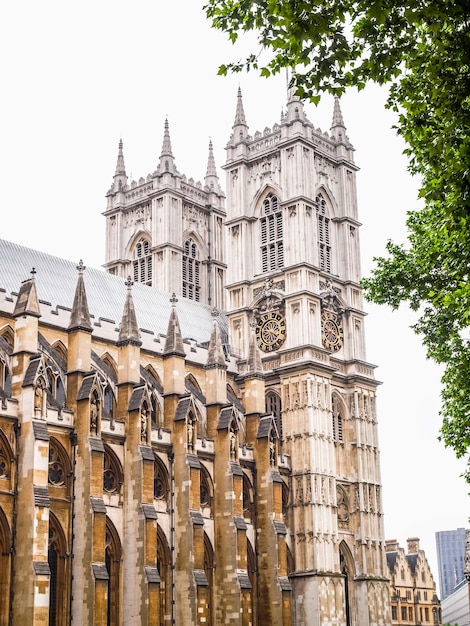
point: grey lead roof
(56, 280)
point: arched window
(142, 263)
(272, 246)
(161, 485)
(112, 472)
(5, 378)
(113, 566)
(58, 565)
(164, 571)
(57, 464)
(191, 271)
(5, 569)
(5, 460)
(324, 242)
(337, 419)
(205, 492)
(248, 499)
(209, 566)
(273, 405)
(56, 387)
(252, 575)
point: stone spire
(167, 161)
(120, 176)
(338, 129)
(174, 340)
(27, 302)
(240, 127)
(211, 179)
(80, 315)
(215, 352)
(129, 329)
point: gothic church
(190, 437)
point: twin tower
(278, 252)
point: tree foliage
(421, 50)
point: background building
(413, 598)
(164, 461)
(450, 546)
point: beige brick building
(197, 444)
(413, 597)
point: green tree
(420, 49)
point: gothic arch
(348, 570)
(248, 502)
(60, 348)
(109, 361)
(5, 374)
(339, 415)
(113, 476)
(135, 239)
(161, 482)
(206, 491)
(194, 253)
(253, 576)
(60, 468)
(5, 568)
(209, 570)
(59, 566)
(200, 243)
(7, 469)
(139, 251)
(273, 405)
(164, 567)
(331, 204)
(113, 556)
(261, 195)
(8, 334)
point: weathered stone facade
(174, 464)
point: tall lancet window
(142, 263)
(191, 273)
(272, 246)
(324, 240)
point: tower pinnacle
(240, 127)
(120, 176)
(129, 329)
(211, 179)
(338, 128)
(167, 161)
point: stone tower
(166, 230)
(293, 244)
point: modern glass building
(450, 546)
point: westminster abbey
(190, 436)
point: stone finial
(120, 176)
(129, 329)
(211, 179)
(174, 339)
(80, 315)
(215, 351)
(167, 161)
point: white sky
(78, 76)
